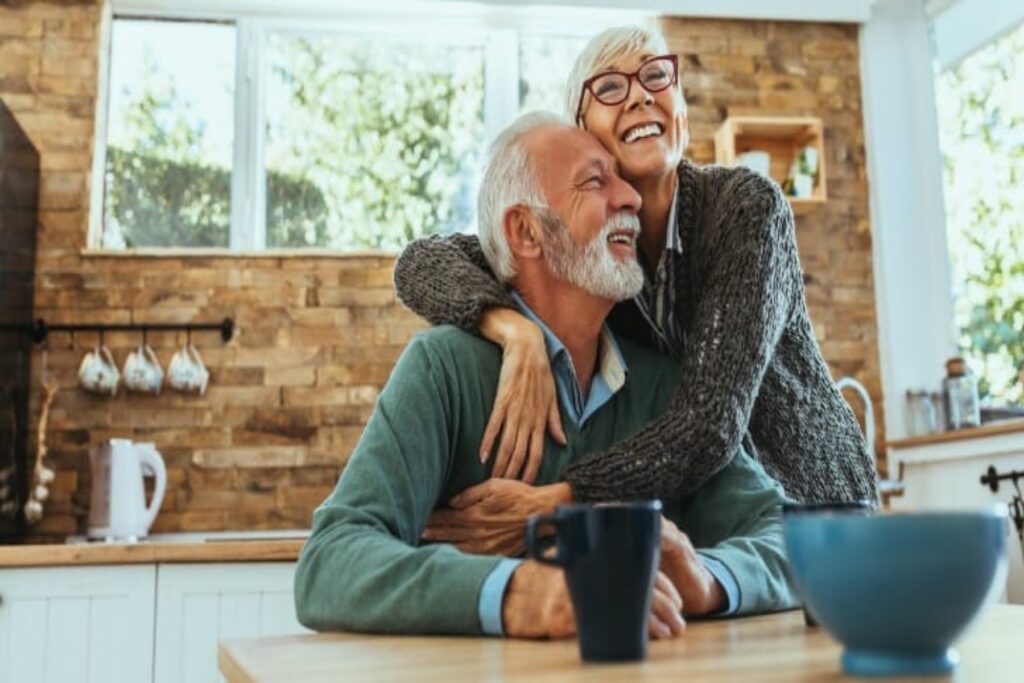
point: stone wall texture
(318, 336)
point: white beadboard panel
(26, 638)
(199, 605)
(77, 624)
(196, 659)
(277, 615)
(68, 631)
(107, 654)
(240, 615)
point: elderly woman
(723, 294)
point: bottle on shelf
(960, 394)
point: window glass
(981, 127)
(170, 134)
(370, 143)
(544, 65)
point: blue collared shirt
(609, 379)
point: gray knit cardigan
(752, 371)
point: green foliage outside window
(981, 125)
(387, 132)
(368, 145)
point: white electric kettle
(118, 511)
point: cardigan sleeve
(746, 299)
(447, 280)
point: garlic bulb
(33, 511)
(45, 475)
(40, 493)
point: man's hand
(537, 605)
(666, 610)
(700, 591)
(490, 518)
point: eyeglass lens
(654, 76)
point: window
(370, 143)
(170, 134)
(981, 128)
(253, 133)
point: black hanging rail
(40, 329)
(991, 478)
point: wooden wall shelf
(782, 137)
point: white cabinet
(77, 624)
(947, 475)
(136, 623)
(201, 604)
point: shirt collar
(672, 241)
(611, 366)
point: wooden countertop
(261, 550)
(774, 647)
(991, 429)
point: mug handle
(533, 548)
(151, 355)
(107, 356)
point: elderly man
(559, 226)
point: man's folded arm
(361, 568)
(741, 528)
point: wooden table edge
(229, 667)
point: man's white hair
(604, 50)
(509, 179)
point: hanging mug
(142, 371)
(186, 373)
(98, 373)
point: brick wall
(317, 337)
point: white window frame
(495, 29)
(899, 46)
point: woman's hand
(526, 404)
(490, 518)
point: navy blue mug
(610, 553)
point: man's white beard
(592, 267)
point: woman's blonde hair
(605, 49)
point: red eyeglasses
(612, 87)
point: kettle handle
(151, 460)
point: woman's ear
(522, 232)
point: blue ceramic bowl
(897, 589)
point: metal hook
(188, 331)
(71, 340)
(102, 333)
(145, 336)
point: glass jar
(960, 390)
(922, 418)
(939, 403)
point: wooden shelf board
(781, 137)
(991, 429)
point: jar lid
(956, 367)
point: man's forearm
(557, 494)
(353, 575)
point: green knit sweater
(363, 568)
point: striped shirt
(657, 299)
